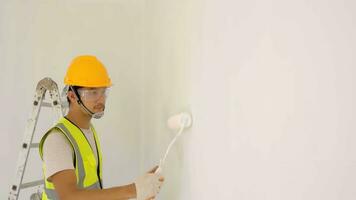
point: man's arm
(65, 183)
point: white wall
(269, 83)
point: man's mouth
(99, 107)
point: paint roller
(178, 122)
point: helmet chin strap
(97, 115)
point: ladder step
(46, 104)
(34, 145)
(32, 184)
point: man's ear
(71, 96)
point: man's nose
(101, 99)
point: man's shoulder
(55, 137)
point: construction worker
(72, 160)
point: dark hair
(70, 89)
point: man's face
(94, 98)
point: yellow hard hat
(87, 71)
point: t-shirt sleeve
(57, 153)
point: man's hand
(148, 185)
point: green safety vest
(86, 168)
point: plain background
(270, 83)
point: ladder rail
(43, 86)
(28, 137)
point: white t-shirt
(58, 153)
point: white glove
(148, 185)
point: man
(70, 151)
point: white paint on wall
(272, 92)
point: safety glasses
(93, 94)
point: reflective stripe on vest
(86, 168)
